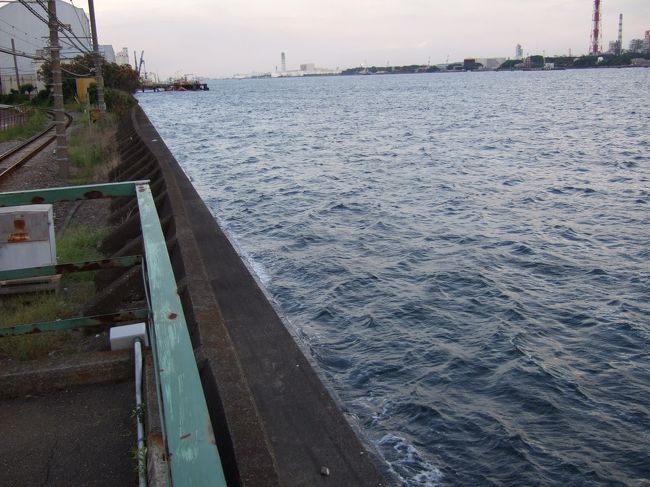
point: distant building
(30, 37)
(306, 69)
(636, 45)
(519, 52)
(122, 57)
(491, 63)
(108, 52)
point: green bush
(118, 101)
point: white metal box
(122, 337)
(27, 237)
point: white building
(122, 57)
(491, 63)
(519, 52)
(30, 35)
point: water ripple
(465, 257)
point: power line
(77, 75)
(22, 40)
(60, 25)
(8, 50)
(26, 34)
(81, 24)
(16, 28)
(12, 70)
(63, 27)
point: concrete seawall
(275, 422)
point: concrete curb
(54, 374)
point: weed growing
(34, 124)
(90, 147)
(78, 244)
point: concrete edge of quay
(274, 420)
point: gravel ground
(42, 172)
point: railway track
(23, 152)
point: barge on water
(175, 86)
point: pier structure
(181, 85)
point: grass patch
(75, 106)
(91, 147)
(31, 347)
(33, 125)
(78, 244)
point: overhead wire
(8, 50)
(77, 75)
(68, 42)
(22, 40)
(16, 28)
(61, 27)
(81, 23)
(64, 27)
(40, 40)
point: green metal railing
(192, 455)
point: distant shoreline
(439, 71)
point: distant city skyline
(213, 38)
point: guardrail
(192, 455)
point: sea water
(464, 256)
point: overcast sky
(212, 38)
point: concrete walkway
(80, 437)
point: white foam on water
(405, 461)
(256, 267)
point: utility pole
(59, 118)
(13, 48)
(98, 59)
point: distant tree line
(589, 61)
(413, 68)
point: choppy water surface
(465, 257)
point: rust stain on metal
(30, 332)
(186, 436)
(87, 266)
(93, 195)
(20, 235)
(211, 437)
(155, 439)
(172, 316)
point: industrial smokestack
(283, 62)
(596, 33)
(619, 42)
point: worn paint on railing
(69, 267)
(193, 458)
(72, 323)
(192, 450)
(70, 193)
